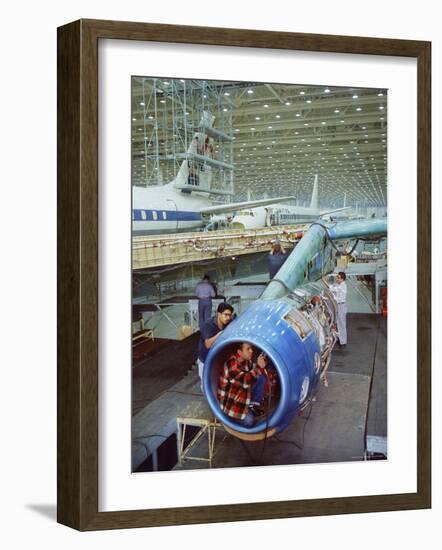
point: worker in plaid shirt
(241, 385)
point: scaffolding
(167, 114)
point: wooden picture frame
(78, 274)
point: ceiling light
(301, 93)
(250, 91)
(142, 103)
(336, 111)
(278, 116)
(226, 94)
(327, 91)
(257, 118)
(269, 127)
(358, 108)
(355, 96)
(287, 103)
(308, 101)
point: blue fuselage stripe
(164, 215)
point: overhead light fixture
(355, 96)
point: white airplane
(283, 214)
(184, 203)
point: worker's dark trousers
(204, 310)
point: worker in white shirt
(339, 291)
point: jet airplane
(184, 204)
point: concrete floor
(330, 431)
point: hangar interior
(267, 140)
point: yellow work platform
(181, 248)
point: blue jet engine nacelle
(296, 333)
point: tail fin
(314, 201)
(195, 174)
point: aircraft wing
(234, 206)
(325, 212)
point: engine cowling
(296, 333)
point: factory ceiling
(282, 135)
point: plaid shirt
(235, 386)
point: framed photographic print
(232, 207)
